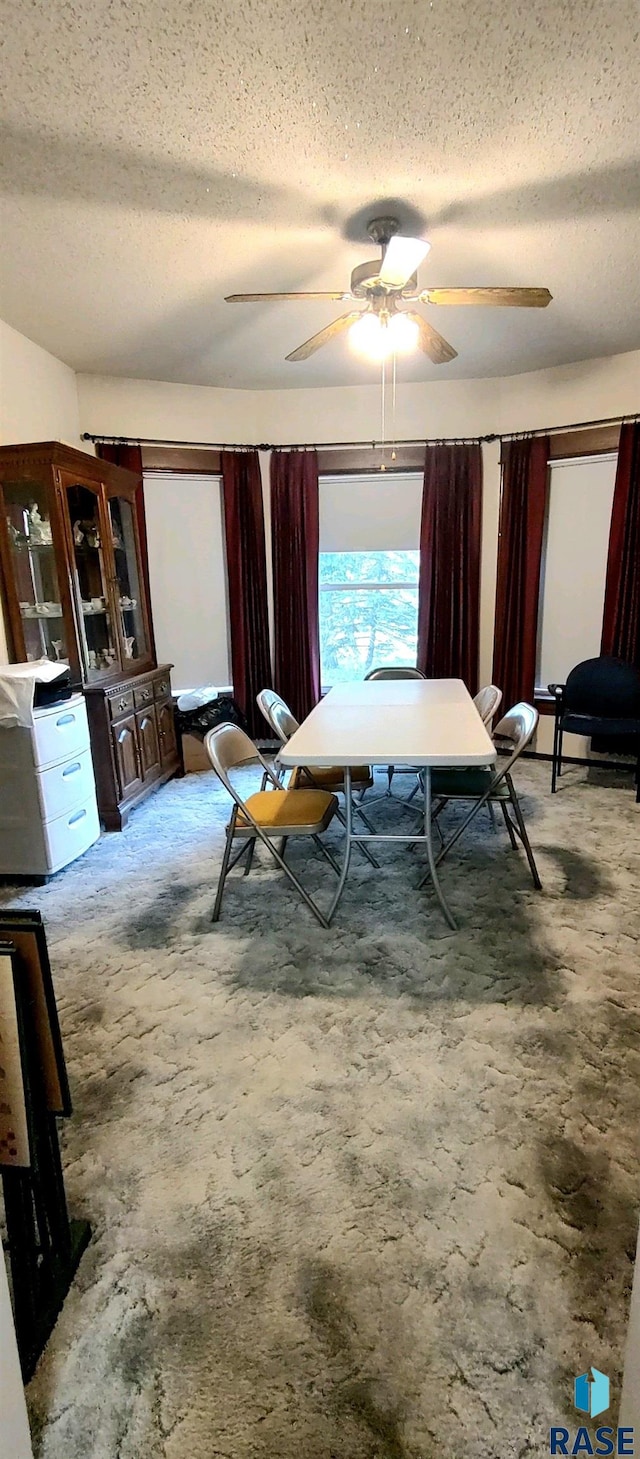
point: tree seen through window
(368, 612)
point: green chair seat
(467, 784)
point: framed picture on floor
(24, 930)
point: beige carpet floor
(365, 1194)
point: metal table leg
(432, 862)
(348, 823)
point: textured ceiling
(158, 156)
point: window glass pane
(368, 614)
(369, 567)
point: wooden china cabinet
(74, 590)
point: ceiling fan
(383, 328)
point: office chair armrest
(557, 690)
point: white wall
(591, 390)
(41, 404)
(38, 394)
(38, 402)
(15, 1441)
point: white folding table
(422, 722)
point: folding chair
(267, 814)
(397, 671)
(321, 777)
(493, 785)
(487, 702)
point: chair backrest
(394, 672)
(517, 727)
(228, 747)
(604, 688)
(487, 702)
(277, 714)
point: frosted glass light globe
(377, 338)
(366, 337)
(403, 334)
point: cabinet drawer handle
(123, 704)
(145, 693)
(71, 769)
(66, 719)
(162, 688)
(79, 816)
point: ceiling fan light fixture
(403, 333)
(368, 337)
(377, 337)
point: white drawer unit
(48, 810)
(62, 787)
(61, 732)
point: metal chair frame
(253, 830)
(518, 726)
(284, 724)
(397, 671)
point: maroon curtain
(129, 455)
(295, 536)
(247, 580)
(621, 624)
(450, 535)
(522, 515)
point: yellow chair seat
(330, 776)
(288, 812)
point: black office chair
(601, 698)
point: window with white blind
(369, 564)
(188, 577)
(574, 564)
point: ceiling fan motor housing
(366, 282)
(365, 279)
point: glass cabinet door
(99, 640)
(127, 578)
(35, 570)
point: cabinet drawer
(61, 734)
(64, 786)
(162, 687)
(68, 836)
(143, 696)
(121, 704)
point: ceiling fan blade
(257, 298)
(402, 257)
(324, 335)
(431, 342)
(507, 298)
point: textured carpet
(365, 1194)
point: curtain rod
(582, 425)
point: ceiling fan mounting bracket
(382, 230)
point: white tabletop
(393, 722)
